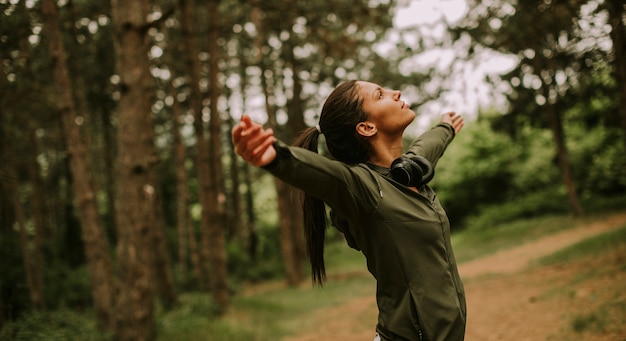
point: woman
(400, 227)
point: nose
(396, 94)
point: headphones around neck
(412, 171)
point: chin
(412, 117)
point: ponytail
(342, 111)
(314, 213)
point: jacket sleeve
(433, 143)
(350, 190)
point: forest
(120, 191)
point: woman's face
(385, 109)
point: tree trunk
(252, 236)
(189, 48)
(194, 254)
(182, 191)
(296, 124)
(163, 277)
(136, 189)
(34, 288)
(217, 197)
(109, 176)
(95, 242)
(38, 213)
(202, 149)
(235, 226)
(287, 204)
(563, 159)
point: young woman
(398, 224)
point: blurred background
(124, 213)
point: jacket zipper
(454, 282)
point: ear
(366, 129)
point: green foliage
(490, 178)
(599, 204)
(13, 290)
(486, 178)
(67, 287)
(535, 168)
(475, 171)
(597, 157)
(267, 263)
(549, 201)
(62, 324)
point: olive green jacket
(404, 235)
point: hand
(253, 143)
(454, 119)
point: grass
(272, 311)
(269, 315)
(602, 275)
(588, 247)
(472, 243)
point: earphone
(412, 171)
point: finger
(236, 132)
(250, 140)
(245, 123)
(267, 140)
(242, 137)
(251, 131)
(258, 139)
(246, 119)
(256, 155)
(458, 126)
(260, 154)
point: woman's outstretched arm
(433, 143)
(254, 143)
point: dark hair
(340, 114)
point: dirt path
(505, 300)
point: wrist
(448, 126)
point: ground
(508, 300)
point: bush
(477, 169)
(61, 324)
(543, 203)
(67, 287)
(267, 263)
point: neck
(385, 151)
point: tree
(96, 245)
(553, 54)
(136, 158)
(289, 223)
(189, 49)
(216, 206)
